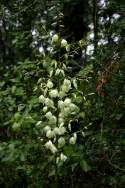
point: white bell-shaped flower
(54, 93)
(55, 38)
(45, 109)
(60, 104)
(61, 120)
(49, 145)
(41, 99)
(67, 83)
(46, 128)
(63, 157)
(67, 102)
(48, 115)
(49, 103)
(56, 131)
(72, 140)
(49, 84)
(53, 119)
(62, 130)
(61, 142)
(64, 43)
(50, 134)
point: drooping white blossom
(47, 128)
(67, 102)
(66, 85)
(53, 119)
(54, 93)
(49, 84)
(56, 131)
(61, 119)
(72, 140)
(61, 142)
(49, 103)
(63, 157)
(65, 112)
(75, 136)
(50, 134)
(49, 145)
(62, 130)
(48, 115)
(60, 104)
(41, 99)
(62, 93)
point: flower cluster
(57, 106)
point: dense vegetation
(62, 93)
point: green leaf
(118, 116)
(84, 165)
(21, 107)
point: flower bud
(55, 38)
(63, 157)
(69, 126)
(75, 83)
(54, 62)
(38, 123)
(57, 160)
(45, 109)
(75, 136)
(67, 48)
(51, 73)
(57, 72)
(63, 43)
